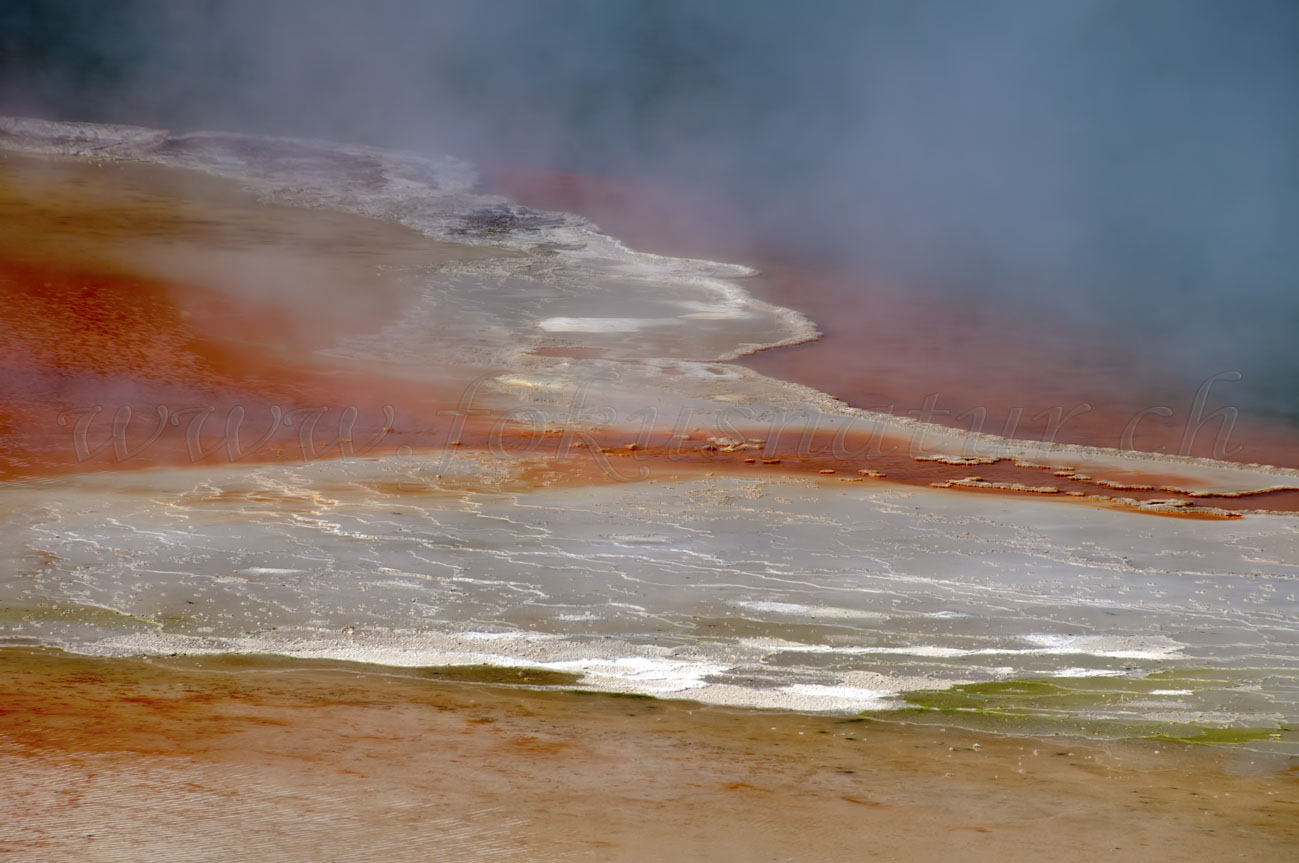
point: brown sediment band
(563, 455)
(588, 456)
(1124, 486)
(980, 482)
(167, 759)
(1234, 495)
(962, 461)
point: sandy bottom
(219, 759)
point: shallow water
(430, 526)
(766, 592)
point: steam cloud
(1122, 164)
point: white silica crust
(771, 593)
(482, 312)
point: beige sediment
(303, 761)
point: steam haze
(1130, 165)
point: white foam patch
(599, 325)
(1109, 648)
(508, 636)
(810, 611)
(841, 697)
(647, 539)
(546, 383)
(617, 667)
(640, 673)
(609, 665)
(775, 607)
